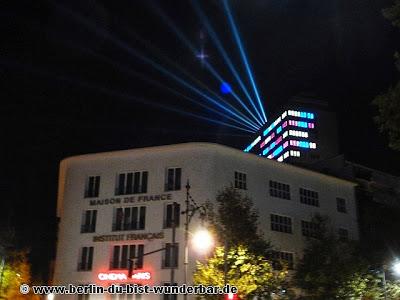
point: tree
(236, 221)
(333, 268)
(14, 268)
(388, 103)
(16, 272)
(252, 274)
(389, 115)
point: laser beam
(114, 93)
(243, 54)
(208, 66)
(224, 54)
(155, 65)
(163, 57)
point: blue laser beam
(114, 93)
(208, 66)
(243, 54)
(156, 83)
(224, 54)
(145, 59)
(161, 56)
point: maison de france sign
(131, 199)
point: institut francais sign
(131, 199)
(128, 237)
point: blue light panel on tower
(278, 140)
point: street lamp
(202, 240)
(396, 268)
(50, 296)
(190, 210)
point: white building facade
(116, 205)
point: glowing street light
(396, 268)
(50, 296)
(202, 241)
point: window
(120, 296)
(309, 229)
(123, 253)
(83, 296)
(172, 213)
(173, 179)
(341, 205)
(240, 181)
(170, 296)
(124, 296)
(92, 186)
(129, 218)
(279, 190)
(89, 221)
(279, 257)
(86, 259)
(170, 257)
(309, 197)
(131, 183)
(343, 234)
(281, 223)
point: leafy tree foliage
(388, 103)
(393, 13)
(14, 268)
(235, 221)
(389, 115)
(16, 271)
(334, 269)
(252, 274)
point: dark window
(281, 223)
(92, 187)
(170, 258)
(131, 183)
(89, 221)
(125, 296)
(279, 258)
(86, 259)
(123, 253)
(173, 179)
(309, 197)
(309, 229)
(172, 213)
(341, 205)
(279, 190)
(170, 296)
(83, 296)
(343, 234)
(240, 181)
(129, 218)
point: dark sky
(68, 85)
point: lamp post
(395, 268)
(191, 208)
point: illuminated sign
(129, 237)
(141, 275)
(123, 276)
(131, 199)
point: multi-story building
(378, 199)
(302, 132)
(116, 205)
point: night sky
(68, 87)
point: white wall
(209, 167)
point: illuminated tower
(303, 132)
